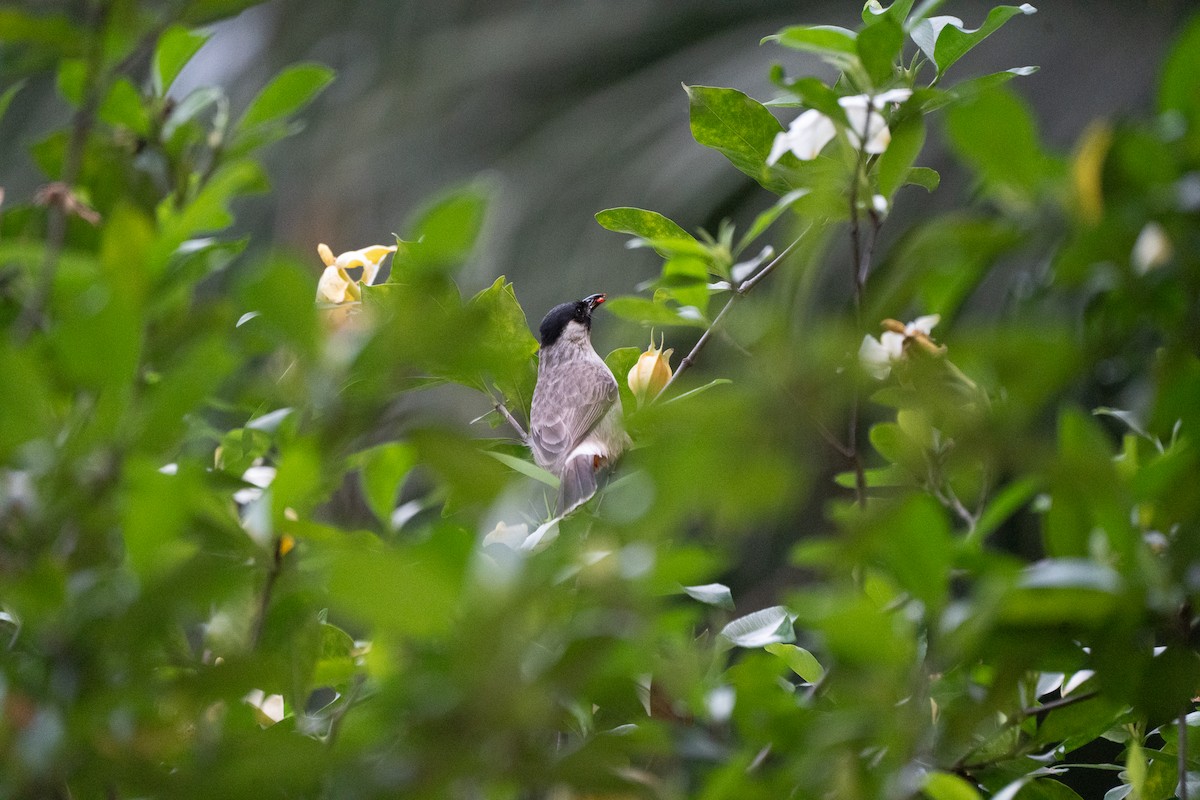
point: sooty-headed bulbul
(575, 422)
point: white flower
(1152, 249)
(805, 137)
(811, 131)
(878, 355)
(868, 130)
(268, 708)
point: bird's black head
(576, 311)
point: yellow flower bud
(651, 373)
(326, 254)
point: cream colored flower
(650, 375)
(336, 286)
(878, 355)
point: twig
(961, 767)
(503, 411)
(741, 290)
(264, 600)
(1054, 705)
(57, 213)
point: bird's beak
(594, 300)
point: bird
(575, 420)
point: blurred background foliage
(255, 546)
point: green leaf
(506, 348)
(693, 392)
(1005, 503)
(914, 543)
(444, 233)
(526, 468)
(713, 594)
(834, 44)
(648, 312)
(6, 97)
(897, 12)
(948, 786)
(648, 225)
(1178, 89)
(70, 80)
(767, 218)
(768, 626)
(382, 469)
(928, 179)
(620, 362)
(49, 33)
(123, 106)
(944, 39)
(335, 660)
(740, 128)
(175, 49)
(290, 90)
(995, 132)
(895, 165)
(799, 661)
(1060, 592)
(878, 47)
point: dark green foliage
(252, 546)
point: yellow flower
(651, 373)
(336, 286)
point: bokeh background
(568, 107)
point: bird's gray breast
(575, 390)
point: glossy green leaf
(288, 92)
(648, 225)
(945, 39)
(506, 347)
(738, 127)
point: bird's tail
(578, 482)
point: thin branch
(264, 600)
(1054, 705)
(57, 213)
(741, 290)
(962, 767)
(503, 411)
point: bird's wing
(567, 405)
